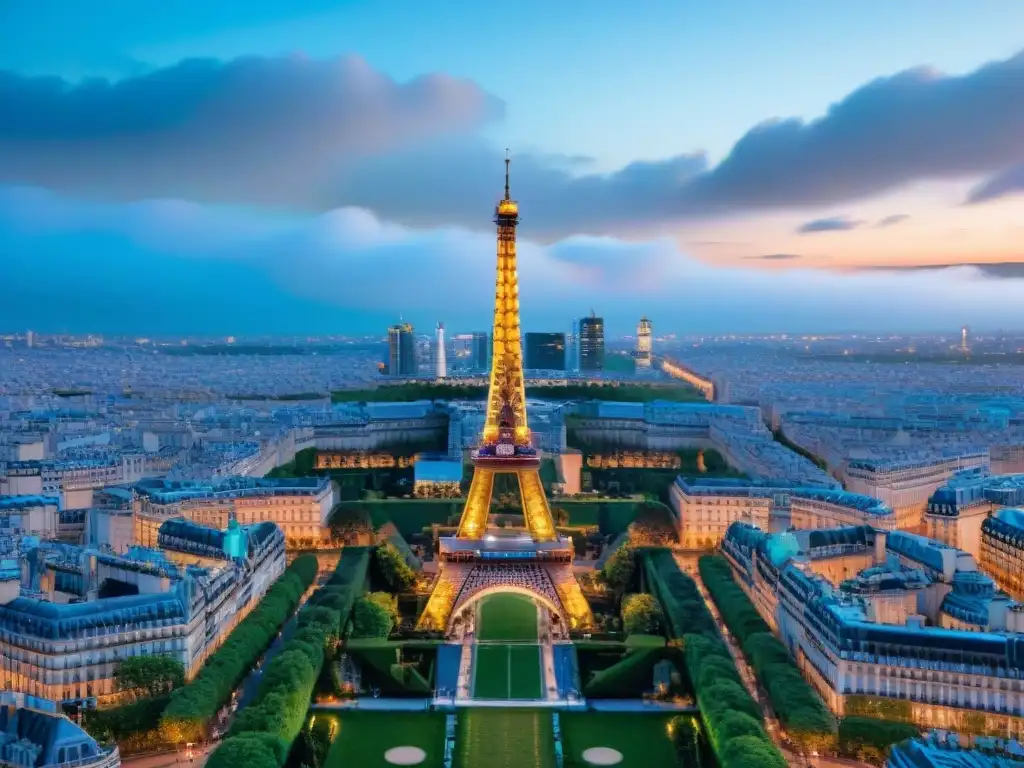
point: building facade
(298, 506)
(921, 629)
(62, 637)
(402, 351)
(480, 352)
(545, 351)
(1002, 549)
(644, 348)
(591, 343)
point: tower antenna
(507, 161)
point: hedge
(681, 602)
(868, 739)
(731, 717)
(267, 727)
(134, 726)
(796, 703)
(630, 677)
(193, 707)
(384, 667)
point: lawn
(504, 738)
(507, 617)
(362, 738)
(642, 739)
(507, 672)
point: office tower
(545, 351)
(401, 350)
(480, 351)
(643, 343)
(572, 347)
(29, 339)
(592, 343)
(440, 359)
(963, 340)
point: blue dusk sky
(304, 166)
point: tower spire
(507, 162)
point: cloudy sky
(315, 166)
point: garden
(381, 739)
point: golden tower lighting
(505, 447)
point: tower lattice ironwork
(505, 447)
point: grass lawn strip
(362, 738)
(525, 675)
(507, 617)
(642, 739)
(491, 672)
(504, 738)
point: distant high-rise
(440, 359)
(964, 346)
(572, 347)
(480, 354)
(643, 343)
(401, 350)
(592, 343)
(545, 351)
(30, 339)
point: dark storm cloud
(1010, 182)
(252, 130)
(831, 224)
(892, 221)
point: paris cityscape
(336, 434)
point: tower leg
(535, 506)
(473, 524)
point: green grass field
(642, 739)
(362, 738)
(507, 617)
(507, 672)
(504, 738)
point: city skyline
(790, 204)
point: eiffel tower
(505, 446)
(473, 563)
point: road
(169, 759)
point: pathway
(547, 654)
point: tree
(560, 516)
(370, 619)
(641, 615)
(393, 568)
(349, 523)
(618, 570)
(149, 675)
(388, 602)
(250, 750)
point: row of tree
(262, 733)
(192, 708)
(796, 703)
(731, 717)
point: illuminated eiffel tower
(505, 447)
(472, 563)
